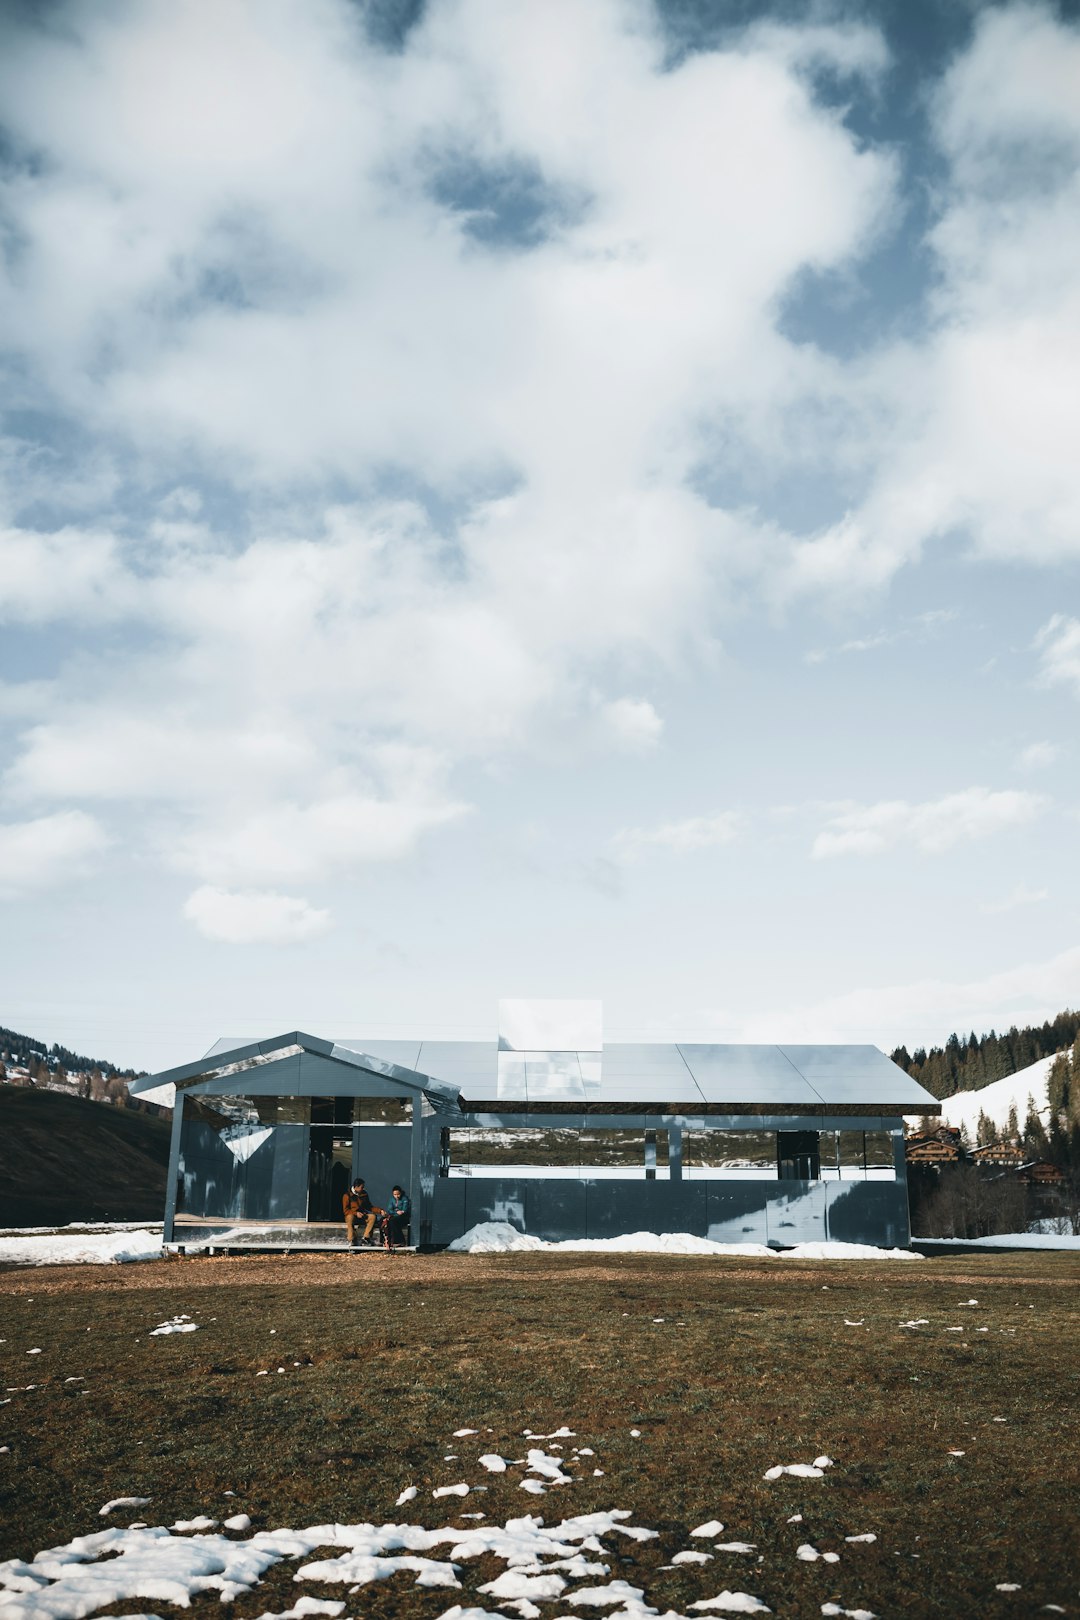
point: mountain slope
(65, 1159)
(996, 1099)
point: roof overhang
(246, 1060)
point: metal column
(174, 1167)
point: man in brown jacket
(356, 1203)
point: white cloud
(249, 271)
(678, 837)
(49, 850)
(292, 841)
(1038, 755)
(1058, 644)
(253, 917)
(933, 826)
(51, 576)
(926, 1011)
(967, 430)
(284, 296)
(633, 722)
(1021, 895)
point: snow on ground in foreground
(1011, 1240)
(169, 1564)
(499, 1237)
(61, 1248)
(998, 1097)
(569, 1562)
(119, 1565)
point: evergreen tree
(1034, 1131)
(1057, 1085)
(968, 1062)
(1057, 1145)
(1012, 1129)
(984, 1133)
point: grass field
(750, 1366)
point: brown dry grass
(752, 1365)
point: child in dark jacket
(398, 1214)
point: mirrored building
(765, 1144)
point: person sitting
(398, 1215)
(356, 1203)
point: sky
(566, 500)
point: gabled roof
(225, 1059)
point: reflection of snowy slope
(996, 1099)
(242, 1139)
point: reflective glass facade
(763, 1143)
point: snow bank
(1010, 1240)
(845, 1251)
(494, 1237)
(499, 1237)
(80, 1249)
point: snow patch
(845, 1251)
(513, 1584)
(303, 1607)
(499, 1237)
(606, 1596)
(733, 1603)
(548, 1468)
(813, 1470)
(1010, 1240)
(97, 1248)
(176, 1324)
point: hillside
(966, 1063)
(67, 1159)
(32, 1054)
(997, 1099)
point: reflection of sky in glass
(550, 1026)
(242, 1140)
(511, 1082)
(552, 1075)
